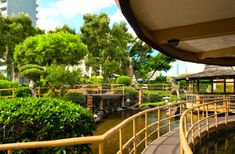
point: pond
(115, 118)
(221, 142)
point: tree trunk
(15, 76)
(32, 86)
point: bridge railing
(198, 119)
(157, 121)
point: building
(11, 7)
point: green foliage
(126, 80)
(2, 77)
(56, 48)
(57, 76)
(151, 96)
(130, 92)
(96, 79)
(38, 119)
(18, 28)
(31, 71)
(160, 79)
(5, 84)
(23, 92)
(107, 46)
(77, 98)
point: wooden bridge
(176, 132)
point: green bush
(123, 80)
(2, 77)
(23, 92)
(96, 79)
(38, 119)
(5, 84)
(151, 96)
(77, 98)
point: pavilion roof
(211, 72)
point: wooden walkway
(169, 143)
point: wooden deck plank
(169, 142)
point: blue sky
(54, 13)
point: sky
(55, 13)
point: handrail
(186, 130)
(144, 132)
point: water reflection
(222, 142)
(115, 118)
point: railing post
(101, 148)
(226, 112)
(207, 118)
(134, 136)
(146, 128)
(159, 118)
(216, 119)
(120, 140)
(192, 127)
(9, 152)
(198, 119)
(169, 118)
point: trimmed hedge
(23, 92)
(126, 80)
(77, 98)
(37, 119)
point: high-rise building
(12, 7)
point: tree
(57, 48)
(57, 77)
(145, 63)
(140, 54)
(107, 47)
(65, 29)
(33, 72)
(19, 27)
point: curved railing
(157, 121)
(197, 120)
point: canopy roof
(197, 31)
(211, 72)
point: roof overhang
(197, 31)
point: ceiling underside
(200, 31)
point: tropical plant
(39, 119)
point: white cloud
(67, 9)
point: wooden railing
(100, 89)
(191, 128)
(157, 121)
(162, 87)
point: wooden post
(90, 103)
(101, 104)
(140, 97)
(123, 101)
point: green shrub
(151, 96)
(23, 92)
(38, 119)
(2, 77)
(77, 98)
(5, 84)
(123, 80)
(96, 79)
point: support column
(123, 101)
(101, 104)
(90, 103)
(140, 97)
